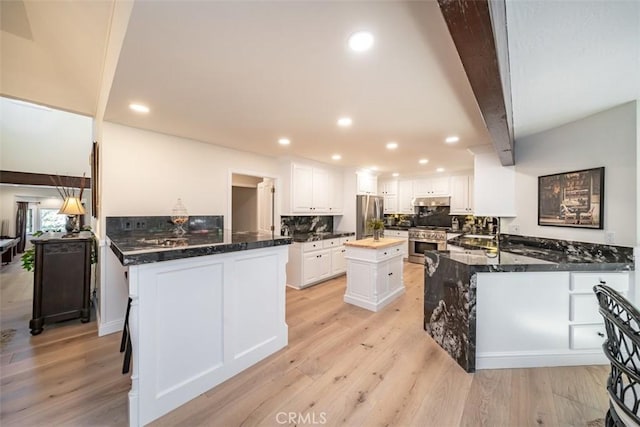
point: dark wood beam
(26, 178)
(470, 25)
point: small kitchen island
(374, 272)
(204, 307)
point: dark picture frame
(572, 199)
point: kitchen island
(529, 302)
(374, 272)
(204, 307)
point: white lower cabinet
(532, 319)
(314, 262)
(374, 276)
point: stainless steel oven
(424, 239)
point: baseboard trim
(110, 327)
(534, 360)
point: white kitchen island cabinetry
(200, 314)
(374, 272)
(400, 234)
(316, 261)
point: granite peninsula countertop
(512, 253)
(324, 235)
(144, 248)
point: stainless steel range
(425, 239)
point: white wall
(42, 140)
(605, 139)
(144, 173)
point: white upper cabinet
(462, 195)
(389, 190)
(405, 196)
(367, 183)
(431, 187)
(388, 187)
(313, 190)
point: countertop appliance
(367, 208)
(426, 239)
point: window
(51, 220)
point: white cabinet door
(431, 187)
(310, 267)
(337, 193)
(367, 183)
(388, 187)
(405, 196)
(324, 264)
(394, 275)
(302, 188)
(320, 190)
(338, 262)
(390, 204)
(461, 194)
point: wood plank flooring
(344, 366)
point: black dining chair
(622, 348)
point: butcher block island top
(369, 243)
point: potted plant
(377, 225)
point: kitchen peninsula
(374, 272)
(204, 306)
(527, 303)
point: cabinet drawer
(584, 308)
(331, 243)
(397, 233)
(312, 246)
(584, 282)
(344, 240)
(389, 252)
(584, 337)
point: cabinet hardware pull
(602, 282)
(390, 274)
(600, 334)
(385, 253)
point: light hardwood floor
(343, 366)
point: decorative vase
(377, 234)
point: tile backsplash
(305, 224)
(158, 224)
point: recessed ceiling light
(361, 41)
(392, 145)
(345, 122)
(139, 108)
(284, 141)
(423, 161)
(440, 170)
(395, 174)
(336, 157)
(452, 139)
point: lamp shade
(72, 206)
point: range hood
(431, 201)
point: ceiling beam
(26, 178)
(470, 25)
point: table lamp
(72, 207)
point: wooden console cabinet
(61, 281)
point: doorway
(252, 203)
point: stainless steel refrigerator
(367, 208)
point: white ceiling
(243, 74)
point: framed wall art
(572, 199)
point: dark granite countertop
(312, 237)
(133, 248)
(519, 253)
(395, 227)
(63, 237)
